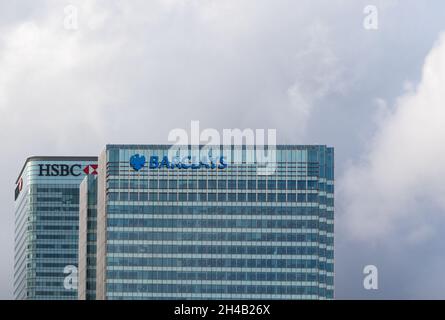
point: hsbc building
(46, 226)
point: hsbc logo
(20, 184)
(90, 169)
(18, 189)
(64, 170)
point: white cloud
(318, 72)
(175, 60)
(51, 82)
(404, 167)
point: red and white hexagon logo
(90, 169)
(20, 184)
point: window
(312, 185)
(153, 184)
(281, 184)
(192, 184)
(113, 184)
(291, 184)
(312, 197)
(124, 184)
(173, 184)
(330, 202)
(113, 196)
(193, 196)
(153, 196)
(134, 184)
(301, 184)
(261, 184)
(232, 184)
(222, 197)
(222, 184)
(202, 184)
(182, 184)
(134, 196)
(172, 197)
(212, 184)
(212, 196)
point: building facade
(172, 227)
(87, 238)
(46, 226)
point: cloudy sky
(75, 75)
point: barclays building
(213, 224)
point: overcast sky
(130, 71)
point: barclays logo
(187, 163)
(137, 162)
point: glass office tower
(46, 226)
(87, 238)
(174, 227)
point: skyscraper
(171, 227)
(46, 226)
(87, 238)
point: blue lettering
(164, 162)
(204, 164)
(154, 162)
(186, 163)
(222, 163)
